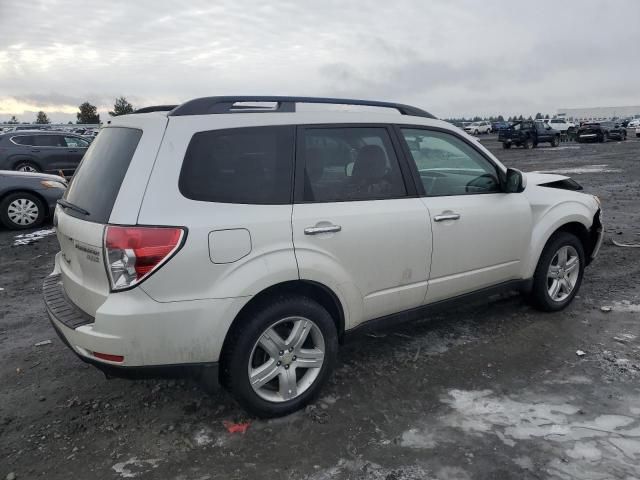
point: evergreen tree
(121, 107)
(42, 118)
(88, 113)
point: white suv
(234, 232)
(477, 128)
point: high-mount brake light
(133, 253)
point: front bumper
(149, 335)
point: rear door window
(252, 165)
(49, 141)
(97, 180)
(350, 164)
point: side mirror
(515, 182)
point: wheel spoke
(572, 264)
(288, 383)
(272, 343)
(264, 373)
(562, 256)
(309, 358)
(555, 289)
(298, 334)
(553, 271)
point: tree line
(500, 118)
(87, 113)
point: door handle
(446, 216)
(323, 229)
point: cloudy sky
(451, 58)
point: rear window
(241, 165)
(97, 180)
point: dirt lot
(486, 392)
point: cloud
(451, 58)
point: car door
(358, 226)
(49, 150)
(75, 148)
(480, 234)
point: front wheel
(506, 145)
(528, 144)
(281, 356)
(555, 141)
(26, 166)
(559, 272)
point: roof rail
(155, 108)
(209, 105)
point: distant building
(599, 113)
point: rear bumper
(152, 337)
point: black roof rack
(209, 105)
(156, 108)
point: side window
(448, 165)
(48, 140)
(240, 165)
(75, 142)
(350, 164)
(23, 140)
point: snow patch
(363, 469)
(29, 238)
(626, 306)
(134, 467)
(415, 438)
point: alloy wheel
(23, 212)
(27, 168)
(563, 273)
(286, 359)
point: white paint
(134, 467)
(580, 170)
(29, 238)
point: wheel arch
(579, 223)
(311, 289)
(15, 160)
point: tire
(475, 132)
(545, 281)
(527, 144)
(623, 137)
(26, 166)
(506, 145)
(244, 351)
(603, 138)
(555, 142)
(21, 210)
(637, 135)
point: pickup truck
(562, 124)
(528, 134)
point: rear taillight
(133, 253)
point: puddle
(580, 170)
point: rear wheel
(559, 272)
(506, 145)
(281, 356)
(528, 144)
(623, 137)
(555, 142)
(603, 138)
(26, 166)
(21, 210)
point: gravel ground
(489, 391)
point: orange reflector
(109, 357)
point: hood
(34, 176)
(535, 178)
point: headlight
(52, 184)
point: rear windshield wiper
(64, 204)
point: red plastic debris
(235, 427)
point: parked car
(634, 123)
(28, 199)
(528, 134)
(203, 248)
(497, 126)
(600, 132)
(477, 128)
(562, 125)
(36, 151)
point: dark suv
(41, 151)
(600, 132)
